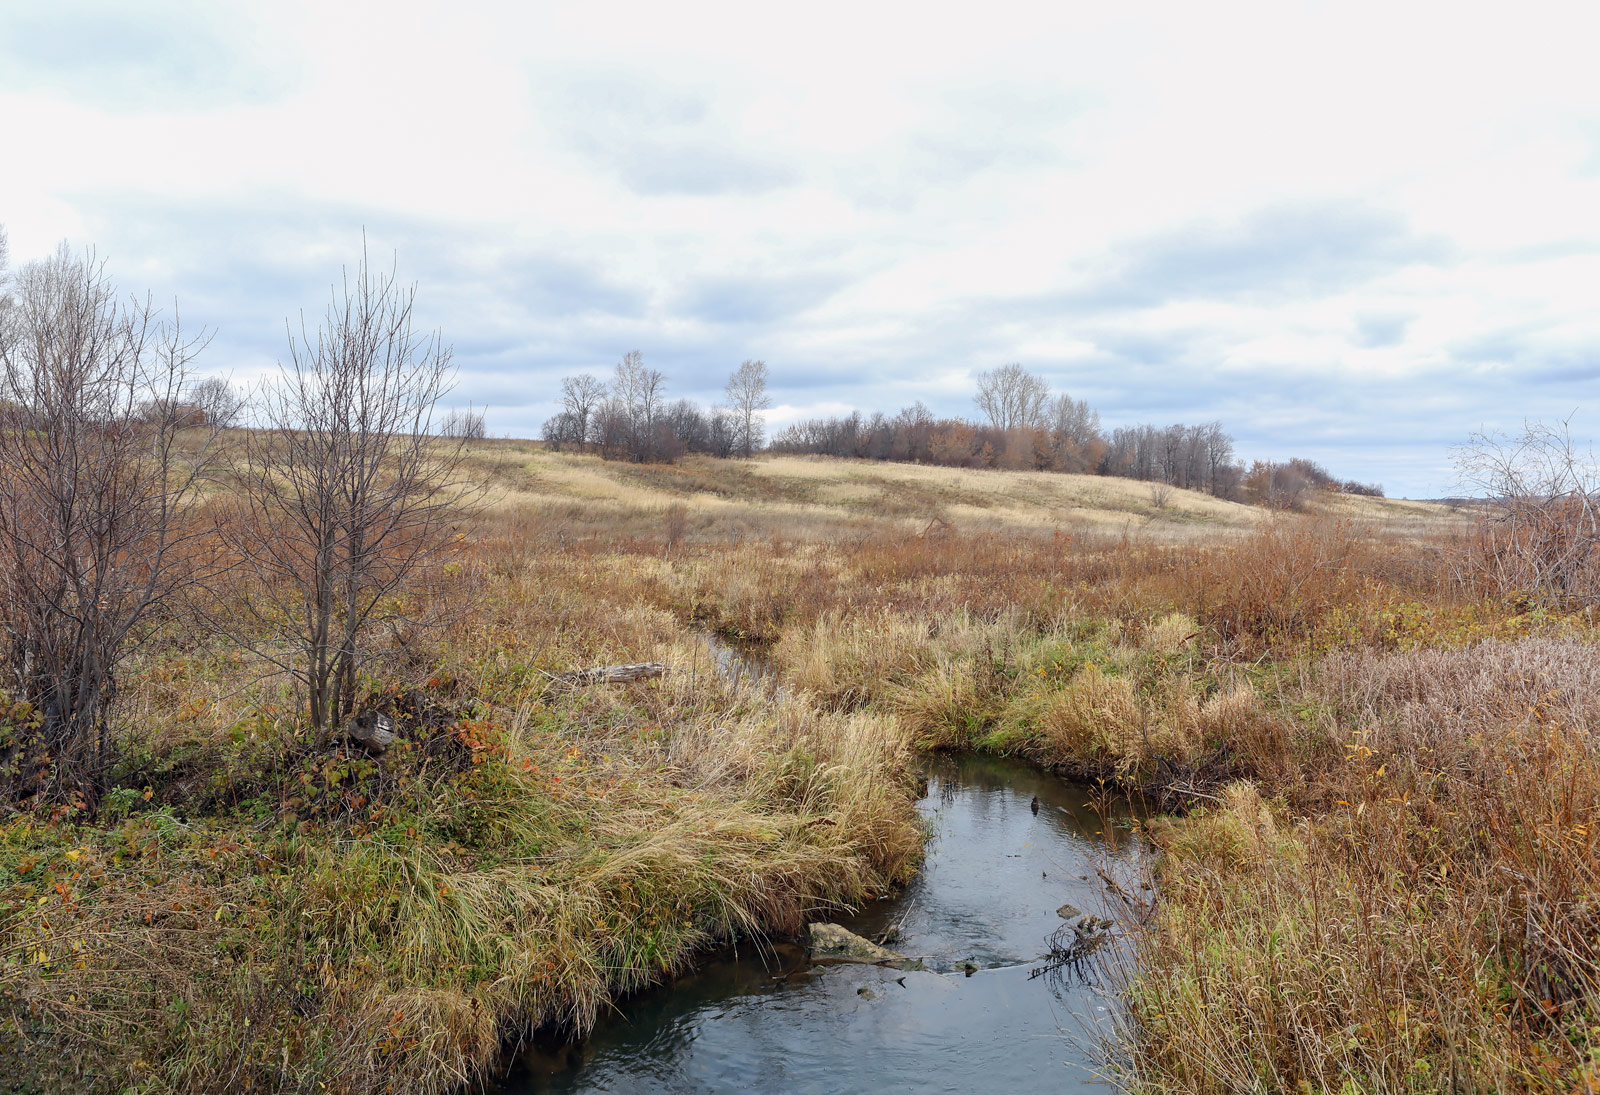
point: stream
(766, 1019)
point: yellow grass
(808, 497)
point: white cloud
(1352, 232)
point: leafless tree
(1013, 398)
(747, 398)
(1217, 448)
(95, 496)
(218, 401)
(632, 426)
(464, 425)
(722, 433)
(1540, 534)
(581, 397)
(1074, 433)
(347, 498)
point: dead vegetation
(1379, 872)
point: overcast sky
(1356, 232)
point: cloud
(759, 298)
(167, 55)
(1380, 329)
(1274, 253)
(1159, 210)
(659, 139)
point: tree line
(630, 419)
(1022, 426)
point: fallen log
(614, 674)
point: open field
(806, 498)
(1377, 874)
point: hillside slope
(815, 496)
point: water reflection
(1011, 845)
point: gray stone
(832, 943)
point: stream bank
(1011, 849)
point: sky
(1356, 232)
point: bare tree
(218, 401)
(95, 492)
(464, 425)
(1540, 534)
(1013, 398)
(722, 433)
(1218, 450)
(632, 426)
(747, 398)
(348, 498)
(581, 397)
(1074, 432)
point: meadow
(1374, 789)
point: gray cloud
(757, 298)
(1381, 329)
(657, 138)
(1277, 253)
(522, 313)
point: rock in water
(1068, 911)
(836, 944)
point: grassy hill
(810, 497)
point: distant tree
(913, 428)
(1278, 486)
(1218, 450)
(747, 398)
(464, 425)
(347, 496)
(1012, 398)
(581, 397)
(1074, 434)
(630, 417)
(1367, 490)
(689, 426)
(561, 429)
(95, 498)
(217, 400)
(1313, 473)
(722, 433)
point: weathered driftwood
(615, 674)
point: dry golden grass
(1372, 746)
(799, 496)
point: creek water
(1009, 846)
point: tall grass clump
(1417, 915)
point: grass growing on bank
(250, 913)
(1378, 875)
